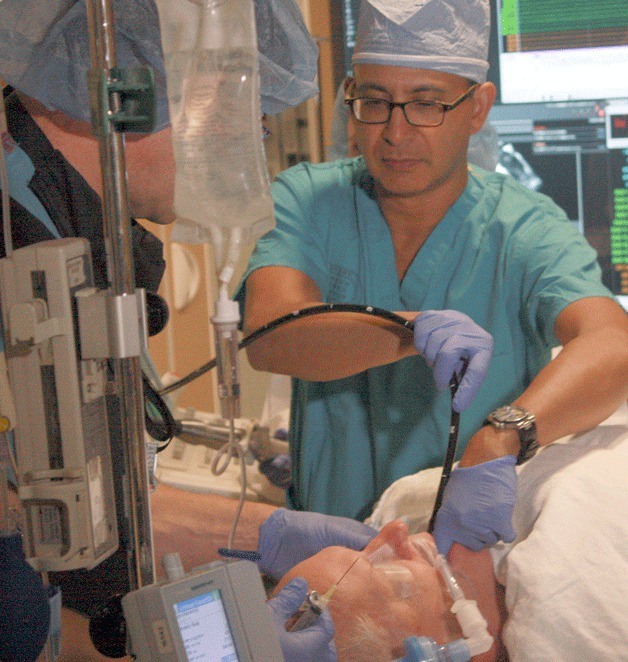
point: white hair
(372, 637)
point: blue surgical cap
(45, 52)
(443, 35)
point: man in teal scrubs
(409, 226)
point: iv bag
(210, 52)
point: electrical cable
(168, 427)
(154, 405)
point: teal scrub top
(507, 257)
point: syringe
(312, 607)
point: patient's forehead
(353, 570)
(328, 566)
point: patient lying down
(380, 603)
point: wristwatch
(510, 417)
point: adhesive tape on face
(382, 554)
(425, 546)
(401, 579)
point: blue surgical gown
(507, 257)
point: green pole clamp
(135, 87)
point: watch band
(511, 417)
(528, 444)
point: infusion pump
(216, 613)
(62, 447)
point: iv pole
(117, 232)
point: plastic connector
(227, 312)
(472, 623)
(473, 626)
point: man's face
(404, 595)
(407, 160)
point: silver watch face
(509, 414)
(512, 416)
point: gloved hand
(444, 338)
(315, 642)
(288, 537)
(477, 506)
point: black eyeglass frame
(395, 104)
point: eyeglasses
(369, 110)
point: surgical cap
(45, 52)
(444, 35)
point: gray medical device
(62, 447)
(216, 613)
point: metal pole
(117, 232)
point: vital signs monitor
(216, 613)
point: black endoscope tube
(452, 445)
(169, 428)
(454, 424)
(291, 317)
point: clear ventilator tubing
(473, 625)
(476, 638)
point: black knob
(107, 629)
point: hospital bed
(566, 574)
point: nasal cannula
(312, 607)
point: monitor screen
(561, 50)
(205, 629)
(561, 114)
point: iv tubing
(225, 324)
(231, 260)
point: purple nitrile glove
(315, 642)
(288, 537)
(446, 337)
(477, 506)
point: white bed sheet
(566, 574)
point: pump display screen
(205, 629)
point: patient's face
(402, 595)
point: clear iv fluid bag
(221, 172)
(213, 94)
